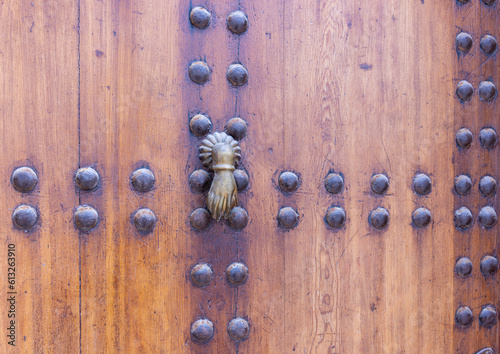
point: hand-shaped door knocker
(220, 153)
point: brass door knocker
(220, 153)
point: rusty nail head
(334, 183)
(200, 219)
(464, 138)
(200, 181)
(86, 217)
(201, 274)
(487, 90)
(379, 183)
(200, 125)
(24, 217)
(238, 218)
(488, 186)
(488, 44)
(463, 267)
(199, 72)
(144, 220)
(237, 273)
(488, 316)
(463, 42)
(489, 2)
(463, 218)
(288, 182)
(238, 329)
(465, 90)
(489, 265)
(422, 184)
(202, 330)
(237, 75)
(488, 138)
(142, 180)
(200, 17)
(487, 217)
(463, 184)
(379, 218)
(241, 178)
(86, 178)
(24, 179)
(335, 217)
(463, 316)
(237, 22)
(421, 217)
(237, 128)
(288, 218)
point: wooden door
(377, 109)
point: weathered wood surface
(39, 129)
(358, 88)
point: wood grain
(39, 128)
(476, 291)
(357, 88)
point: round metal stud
(288, 218)
(202, 330)
(24, 179)
(488, 44)
(487, 217)
(464, 138)
(241, 178)
(200, 125)
(463, 267)
(238, 329)
(379, 183)
(464, 90)
(200, 17)
(463, 42)
(144, 220)
(487, 90)
(237, 22)
(142, 180)
(200, 181)
(237, 75)
(335, 217)
(237, 128)
(238, 218)
(200, 219)
(237, 273)
(463, 1)
(463, 218)
(489, 265)
(422, 184)
(421, 217)
(464, 316)
(379, 218)
(199, 72)
(488, 316)
(489, 2)
(24, 217)
(201, 274)
(86, 178)
(463, 184)
(488, 138)
(488, 186)
(288, 182)
(86, 217)
(334, 183)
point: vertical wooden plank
(39, 129)
(262, 246)
(374, 100)
(137, 99)
(476, 291)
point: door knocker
(221, 153)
